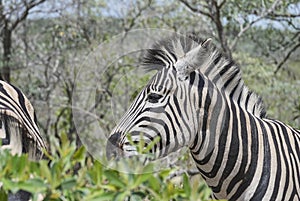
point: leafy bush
(71, 174)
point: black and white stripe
(18, 125)
(198, 99)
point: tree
(12, 14)
(232, 19)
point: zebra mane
(223, 72)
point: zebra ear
(183, 69)
(192, 60)
(206, 43)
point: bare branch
(279, 66)
(25, 13)
(285, 15)
(137, 15)
(287, 20)
(221, 4)
(249, 25)
(214, 13)
(196, 10)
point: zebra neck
(214, 118)
(221, 131)
(217, 149)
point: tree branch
(279, 66)
(137, 15)
(196, 10)
(285, 15)
(221, 4)
(249, 25)
(215, 15)
(23, 16)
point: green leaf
(100, 196)
(45, 171)
(149, 168)
(3, 195)
(95, 173)
(186, 185)
(141, 178)
(154, 183)
(165, 173)
(151, 144)
(121, 196)
(33, 185)
(64, 140)
(68, 184)
(19, 164)
(114, 179)
(79, 155)
(10, 185)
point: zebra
(18, 124)
(18, 129)
(197, 98)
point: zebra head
(168, 106)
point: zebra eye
(154, 98)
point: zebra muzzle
(113, 147)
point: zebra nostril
(113, 149)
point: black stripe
(192, 78)
(226, 67)
(249, 174)
(218, 58)
(285, 161)
(245, 144)
(278, 168)
(247, 99)
(265, 177)
(15, 109)
(232, 155)
(174, 130)
(174, 114)
(176, 103)
(150, 137)
(167, 133)
(4, 119)
(205, 119)
(195, 142)
(231, 78)
(20, 106)
(156, 121)
(289, 153)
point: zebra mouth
(114, 151)
(113, 148)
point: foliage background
(43, 43)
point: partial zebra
(198, 99)
(18, 125)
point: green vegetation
(71, 174)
